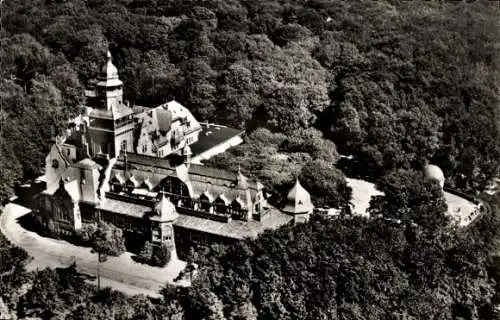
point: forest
(394, 84)
(325, 269)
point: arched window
(175, 186)
(55, 164)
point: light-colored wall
(178, 111)
(129, 137)
(91, 185)
(53, 175)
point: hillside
(394, 84)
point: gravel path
(120, 273)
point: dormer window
(55, 164)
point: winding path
(120, 273)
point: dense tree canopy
(394, 83)
(277, 160)
(409, 197)
(348, 269)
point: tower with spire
(111, 123)
(298, 203)
(164, 215)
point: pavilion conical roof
(298, 200)
(166, 209)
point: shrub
(146, 252)
(161, 256)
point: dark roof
(140, 162)
(149, 161)
(164, 118)
(116, 112)
(211, 136)
(235, 229)
(126, 208)
(201, 170)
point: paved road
(120, 273)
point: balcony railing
(128, 198)
(204, 214)
(187, 207)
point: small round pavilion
(434, 172)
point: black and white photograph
(250, 159)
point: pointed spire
(166, 209)
(109, 72)
(298, 200)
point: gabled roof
(158, 122)
(207, 195)
(118, 177)
(240, 202)
(133, 180)
(223, 198)
(148, 184)
(70, 188)
(197, 178)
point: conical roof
(298, 200)
(166, 209)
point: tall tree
(409, 197)
(106, 241)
